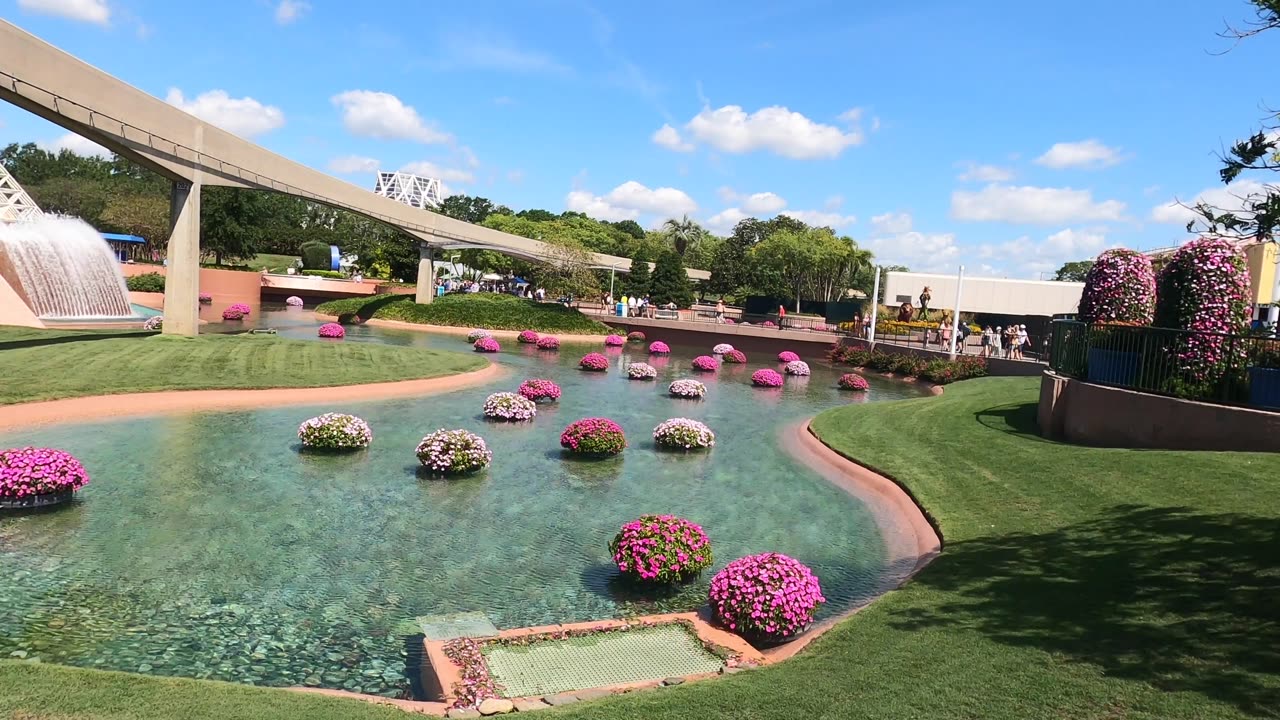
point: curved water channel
(207, 546)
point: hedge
(324, 273)
(147, 282)
(482, 310)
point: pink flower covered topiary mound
(689, 389)
(453, 452)
(853, 381)
(1120, 287)
(735, 357)
(661, 549)
(595, 362)
(657, 347)
(487, 345)
(614, 340)
(593, 436)
(30, 473)
(527, 337)
(766, 378)
(232, 313)
(548, 342)
(332, 330)
(705, 363)
(1204, 288)
(540, 390)
(787, 356)
(683, 434)
(205, 298)
(769, 596)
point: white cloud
(1028, 204)
(723, 221)
(1023, 257)
(669, 138)
(891, 223)
(81, 146)
(426, 168)
(383, 116)
(922, 252)
(852, 116)
(776, 129)
(472, 50)
(242, 116)
(1084, 154)
(629, 200)
(1224, 197)
(91, 11)
(986, 173)
(835, 202)
(821, 218)
(763, 203)
(353, 164)
(290, 10)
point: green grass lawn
(481, 310)
(274, 263)
(49, 364)
(1074, 583)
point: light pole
(955, 313)
(875, 308)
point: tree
(1073, 271)
(567, 271)
(638, 281)
(630, 227)
(142, 214)
(682, 232)
(1258, 214)
(812, 264)
(231, 221)
(470, 209)
(670, 282)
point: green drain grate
(608, 658)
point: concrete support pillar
(426, 275)
(182, 274)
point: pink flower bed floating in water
(528, 337)
(205, 298)
(155, 322)
(661, 549)
(332, 330)
(594, 362)
(593, 436)
(293, 301)
(450, 452)
(721, 349)
(614, 340)
(770, 596)
(538, 389)
(787, 356)
(232, 314)
(487, 345)
(241, 307)
(509, 406)
(853, 381)
(769, 323)
(641, 371)
(687, 389)
(683, 434)
(766, 378)
(335, 431)
(548, 342)
(797, 367)
(635, 336)
(737, 357)
(476, 334)
(657, 347)
(32, 471)
(705, 363)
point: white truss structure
(15, 204)
(412, 190)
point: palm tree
(682, 232)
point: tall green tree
(1074, 271)
(670, 282)
(231, 221)
(472, 209)
(811, 264)
(638, 280)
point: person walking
(720, 311)
(1023, 340)
(944, 335)
(985, 347)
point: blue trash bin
(620, 309)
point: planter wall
(1264, 387)
(1113, 367)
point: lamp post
(955, 313)
(875, 308)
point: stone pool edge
(23, 416)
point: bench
(666, 314)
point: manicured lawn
(1074, 583)
(274, 263)
(482, 310)
(47, 364)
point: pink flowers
(1204, 288)
(721, 349)
(705, 363)
(335, 431)
(766, 378)
(769, 324)
(527, 337)
(787, 356)
(770, 596)
(594, 362)
(661, 549)
(293, 301)
(232, 314)
(614, 340)
(689, 389)
(239, 307)
(635, 336)
(657, 347)
(797, 367)
(30, 472)
(451, 452)
(852, 381)
(548, 342)
(593, 436)
(641, 371)
(332, 330)
(1120, 287)
(683, 434)
(205, 298)
(538, 389)
(736, 357)
(486, 345)
(509, 406)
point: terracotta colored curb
(453, 330)
(98, 407)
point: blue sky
(1008, 136)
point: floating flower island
(335, 431)
(661, 549)
(453, 452)
(509, 406)
(689, 389)
(683, 434)
(593, 437)
(540, 390)
(37, 477)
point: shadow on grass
(87, 337)
(1013, 419)
(1182, 600)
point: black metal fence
(1210, 367)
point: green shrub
(316, 256)
(323, 273)
(483, 310)
(147, 282)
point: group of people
(523, 290)
(1005, 342)
(636, 306)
